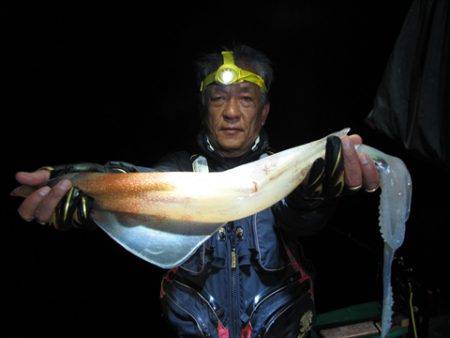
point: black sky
(98, 83)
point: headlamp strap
(228, 58)
(239, 74)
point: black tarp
(412, 102)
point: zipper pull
(233, 258)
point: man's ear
(265, 113)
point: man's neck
(232, 153)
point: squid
(164, 217)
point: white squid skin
(164, 217)
(204, 197)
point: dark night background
(92, 84)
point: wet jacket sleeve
(308, 208)
(177, 161)
(302, 221)
(73, 211)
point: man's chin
(231, 147)
(234, 141)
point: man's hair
(244, 57)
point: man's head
(233, 114)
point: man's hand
(343, 170)
(41, 204)
(359, 169)
(63, 206)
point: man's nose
(232, 111)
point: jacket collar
(260, 146)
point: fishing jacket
(248, 279)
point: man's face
(235, 117)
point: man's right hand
(40, 204)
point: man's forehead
(242, 87)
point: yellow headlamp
(228, 73)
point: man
(247, 280)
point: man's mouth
(231, 130)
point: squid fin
(165, 243)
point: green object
(228, 73)
(351, 315)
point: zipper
(234, 279)
(233, 258)
(282, 311)
(255, 236)
(199, 326)
(290, 287)
(199, 295)
(265, 298)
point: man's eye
(216, 98)
(247, 98)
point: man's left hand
(359, 169)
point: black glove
(325, 180)
(73, 210)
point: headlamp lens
(227, 76)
